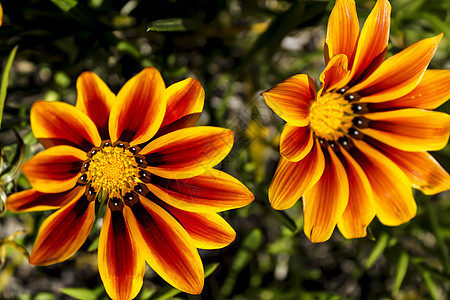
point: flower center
(115, 169)
(330, 116)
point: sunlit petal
(63, 233)
(296, 142)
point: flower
(139, 152)
(355, 148)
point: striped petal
(430, 93)
(293, 179)
(59, 123)
(188, 152)
(139, 109)
(95, 99)
(325, 202)
(398, 75)
(63, 233)
(410, 129)
(54, 170)
(342, 30)
(335, 73)
(373, 41)
(392, 194)
(120, 263)
(425, 173)
(296, 142)
(291, 99)
(359, 211)
(183, 98)
(33, 200)
(212, 191)
(207, 230)
(166, 246)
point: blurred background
(236, 49)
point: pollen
(112, 169)
(330, 116)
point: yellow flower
(140, 149)
(353, 149)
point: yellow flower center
(330, 116)
(115, 169)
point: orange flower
(354, 149)
(139, 149)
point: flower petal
(183, 122)
(292, 179)
(33, 200)
(425, 173)
(59, 123)
(212, 191)
(166, 246)
(54, 170)
(95, 99)
(291, 99)
(325, 202)
(63, 233)
(373, 41)
(296, 142)
(398, 75)
(410, 129)
(207, 230)
(188, 152)
(431, 92)
(120, 264)
(183, 98)
(139, 109)
(392, 194)
(335, 72)
(359, 211)
(342, 30)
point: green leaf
(173, 24)
(377, 250)
(400, 272)
(4, 84)
(82, 293)
(168, 292)
(65, 5)
(286, 220)
(94, 245)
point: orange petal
(342, 30)
(95, 99)
(292, 179)
(431, 92)
(33, 200)
(335, 72)
(410, 129)
(296, 142)
(425, 173)
(59, 123)
(183, 98)
(398, 75)
(183, 122)
(188, 152)
(54, 170)
(207, 230)
(63, 233)
(120, 263)
(291, 99)
(166, 246)
(212, 191)
(392, 194)
(373, 41)
(139, 109)
(325, 202)
(359, 211)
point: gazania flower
(138, 153)
(355, 148)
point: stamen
(144, 176)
